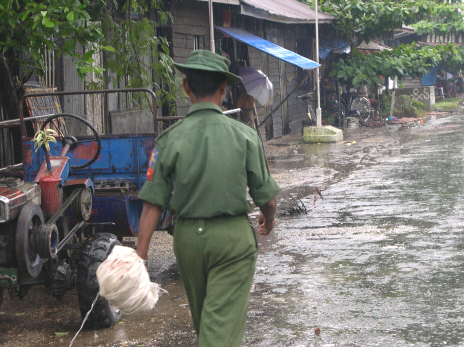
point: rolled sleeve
(262, 187)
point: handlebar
(306, 96)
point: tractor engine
(14, 194)
(26, 241)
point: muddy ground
(40, 320)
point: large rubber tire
(30, 219)
(94, 251)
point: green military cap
(209, 61)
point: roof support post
(318, 83)
(211, 27)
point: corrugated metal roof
(404, 31)
(373, 46)
(326, 46)
(284, 11)
(229, 2)
(423, 44)
(406, 28)
(270, 48)
(338, 47)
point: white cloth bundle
(125, 283)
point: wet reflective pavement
(376, 261)
(379, 260)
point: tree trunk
(10, 104)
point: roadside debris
(297, 206)
(403, 120)
(438, 113)
(317, 195)
(375, 123)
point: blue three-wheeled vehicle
(62, 211)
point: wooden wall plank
(190, 30)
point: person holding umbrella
(202, 166)
(246, 103)
(256, 84)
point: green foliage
(404, 102)
(140, 54)
(417, 105)
(358, 70)
(444, 18)
(43, 138)
(408, 60)
(367, 19)
(385, 104)
(406, 106)
(364, 20)
(127, 38)
(449, 104)
(29, 27)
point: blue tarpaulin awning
(430, 79)
(324, 52)
(270, 48)
(339, 47)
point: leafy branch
(43, 138)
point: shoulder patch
(154, 156)
(150, 175)
(151, 164)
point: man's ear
(186, 87)
(223, 87)
(188, 91)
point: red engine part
(52, 194)
(51, 183)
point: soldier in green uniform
(202, 166)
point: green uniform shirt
(205, 162)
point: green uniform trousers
(216, 259)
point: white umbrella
(256, 83)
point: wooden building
(286, 23)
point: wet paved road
(376, 262)
(379, 261)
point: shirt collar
(202, 106)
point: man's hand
(265, 226)
(266, 218)
(147, 224)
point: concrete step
(314, 134)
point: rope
(85, 318)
